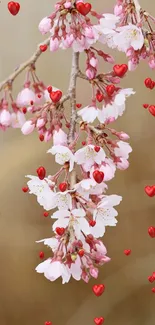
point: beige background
(28, 298)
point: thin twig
(30, 62)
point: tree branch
(72, 94)
(8, 82)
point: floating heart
(60, 231)
(98, 320)
(41, 171)
(150, 190)
(98, 289)
(83, 8)
(99, 97)
(43, 47)
(13, 7)
(56, 96)
(110, 89)
(98, 176)
(78, 105)
(48, 323)
(92, 223)
(153, 290)
(63, 187)
(152, 109)
(151, 232)
(127, 252)
(151, 279)
(97, 148)
(120, 70)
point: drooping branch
(30, 62)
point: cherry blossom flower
(53, 270)
(105, 214)
(62, 155)
(122, 150)
(128, 36)
(109, 21)
(45, 25)
(87, 156)
(5, 117)
(107, 167)
(17, 119)
(88, 113)
(74, 218)
(27, 127)
(59, 137)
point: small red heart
(152, 110)
(81, 252)
(145, 105)
(151, 278)
(98, 176)
(63, 187)
(110, 89)
(98, 289)
(56, 96)
(83, 8)
(151, 232)
(48, 323)
(25, 189)
(43, 47)
(78, 105)
(46, 214)
(97, 148)
(41, 255)
(153, 290)
(13, 7)
(92, 223)
(99, 96)
(150, 190)
(99, 320)
(120, 70)
(153, 274)
(60, 231)
(127, 252)
(41, 171)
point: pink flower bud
(67, 4)
(27, 128)
(122, 135)
(118, 9)
(54, 44)
(90, 74)
(59, 137)
(93, 62)
(5, 118)
(85, 276)
(94, 272)
(45, 25)
(47, 136)
(152, 63)
(25, 97)
(131, 66)
(40, 123)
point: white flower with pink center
(87, 156)
(107, 167)
(117, 108)
(53, 270)
(62, 155)
(74, 219)
(105, 214)
(129, 36)
(122, 150)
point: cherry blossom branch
(30, 62)
(72, 94)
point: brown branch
(31, 62)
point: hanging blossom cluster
(77, 192)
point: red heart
(41, 171)
(43, 48)
(98, 320)
(83, 8)
(78, 105)
(99, 97)
(150, 190)
(60, 231)
(13, 7)
(152, 109)
(110, 89)
(120, 70)
(151, 279)
(153, 290)
(98, 176)
(127, 252)
(151, 232)
(56, 96)
(92, 223)
(98, 289)
(97, 148)
(48, 323)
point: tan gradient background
(28, 298)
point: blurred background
(28, 298)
